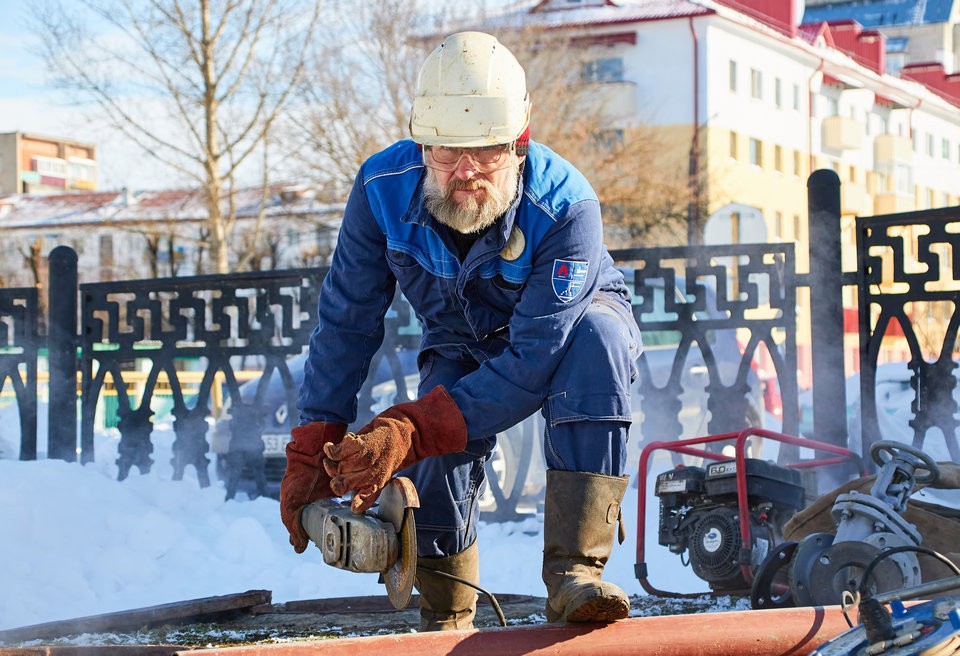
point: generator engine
(699, 516)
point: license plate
(275, 445)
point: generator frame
(694, 447)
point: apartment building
(37, 164)
(757, 100)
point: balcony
(854, 199)
(842, 133)
(891, 148)
(892, 203)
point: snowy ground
(77, 542)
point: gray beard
(470, 216)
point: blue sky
(25, 100)
(28, 103)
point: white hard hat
(471, 91)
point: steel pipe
(779, 632)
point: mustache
(466, 185)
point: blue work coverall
(534, 316)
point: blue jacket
(510, 305)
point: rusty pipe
(773, 632)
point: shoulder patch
(569, 278)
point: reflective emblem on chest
(569, 278)
(515, 245)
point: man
(497, 244)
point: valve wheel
(929, 470)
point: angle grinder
(381, 540)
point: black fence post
(826, 308)
(62, 347)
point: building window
(945, 148)
(733, 76)
(902, 178)
(796, 163)
(833, 107)
(603, 70)
(756, 152)
(876, 183)
(853, 174)
(54, 167)
(610, 140)
(930, 145)
(778, 158)
(733, 145)
(756, 84)
(796, 97)
(778, 225)
(796, 227)
(777, 93)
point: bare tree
(587, 115)
(357, 92)
(196, 84)
(357, 98)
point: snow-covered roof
(546, 14)
(36, 210)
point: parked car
(894, 397)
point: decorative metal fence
(19, 340)
(720, 308)
(203, 323)
(725, 302)
(902, 288)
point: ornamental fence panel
(720, 325)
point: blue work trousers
(586, 421)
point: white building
(122, 236)
(760, 101)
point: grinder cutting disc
(395, 506)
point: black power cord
(876, 619)
(493, 600)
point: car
(894, 398)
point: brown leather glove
(305, 480)
(396, 438)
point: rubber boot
(446, 605)
(580, 517)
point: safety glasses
(485, 159)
